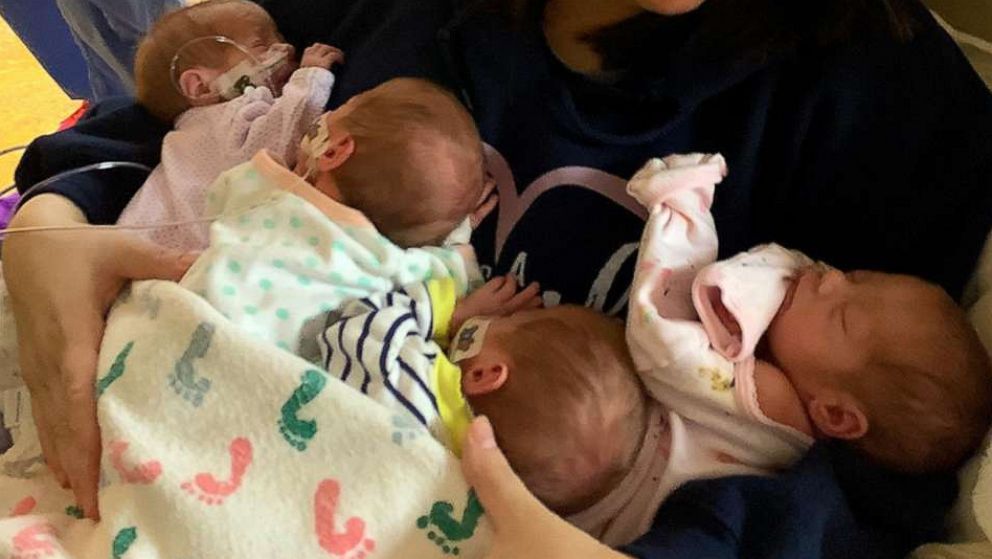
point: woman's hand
(524, 528)
(61, 286)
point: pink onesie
(705, 419)
(207, 141)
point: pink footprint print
(212, 491)
(34, 542)
(23, 507)
(141, 474)
(350, 543)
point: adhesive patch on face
(469, 340)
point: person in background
(108, 33)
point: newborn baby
(395, 168)
(557, 384)
(754, 357)
(225, 104)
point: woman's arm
(61, 286)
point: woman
(108, 35)
(854, 130)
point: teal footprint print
(298, 432)
(116, 370)
(123, 542)
(405, 429)
(444, 530)
(184, 379)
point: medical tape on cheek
(314, 144)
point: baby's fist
(319, 55)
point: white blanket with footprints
(217, 445)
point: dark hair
(741, 27)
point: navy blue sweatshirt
(873, 154)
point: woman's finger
(46, 435)
(500, 491)
(81, 458)
(142, 259)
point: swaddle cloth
(216, 445)
(285, 254)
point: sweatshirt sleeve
(258, 120)
(113, 130)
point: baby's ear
(484, 378)
(194, 84)
(838, 415)
(340, 147)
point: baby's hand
(499, 297)
(319, 55)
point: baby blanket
(218, 445)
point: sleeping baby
(220, 73)
(841, 356)
(380, 198)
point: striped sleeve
(383, 346)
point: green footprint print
(123, 541)
(183, 379)
(440, 519)
(298, 432)
(116, 370)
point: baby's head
(184, 36)
(406, 154)
(565, 402)
(887, 362)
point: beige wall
(970, 16)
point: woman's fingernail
(482, 433)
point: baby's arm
(778, 399)
(679, 239)
(384, 345)
(260, 121)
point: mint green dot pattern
(282, 314)
(265, 284)
(229, 290)
(234, 266)
(278, 263)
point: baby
(558, 384)
(755, 357)
(380, 185)
(195, 69)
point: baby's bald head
(571, 415)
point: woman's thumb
(146, 260)
(500, 491)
